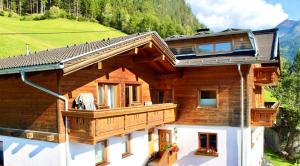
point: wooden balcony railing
(266, 75)
(264, 116)
(87, 126)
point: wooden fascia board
(97, 57)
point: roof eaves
(32, 68)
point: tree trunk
(290, 141)
(1, 4)
(20, 7)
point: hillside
(167, 17)
(14, 44)
(289, 33)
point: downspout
(23, 77)
(242, 114)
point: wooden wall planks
(24, 107)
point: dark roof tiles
(54, 56)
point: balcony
(89, 127)
(266, 76)
(264, 116)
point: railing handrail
(274, 107)
(121, 111)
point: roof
(76, 57)
(66, 58)
(265, 50)
(207, 34)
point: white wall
(257, 151)
(228, 148)
(25, 152)
(139, 150)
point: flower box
(206, 152)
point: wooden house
(119, 101)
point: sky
(248, 14)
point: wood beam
(100, 66)
(149, 45)
(144, 59)
(134, 51)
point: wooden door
(151, 141)
(164, 138)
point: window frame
(138, 95)
(104, 162)
(128, 146)
(199, 97)
(207, 140)
(105, 92)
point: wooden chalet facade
(147, 93)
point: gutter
(32, 68)
(242, 114)
(67, 150)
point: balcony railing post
(92, 127)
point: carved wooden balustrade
(264, 116)
(266, 75)
(87, 126)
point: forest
(167, 17)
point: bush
(12, 14)
(55, 12)
(2, 13)
(33, 17)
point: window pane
(101, 94)
(161, 97)
(208, 102)
(1, 153)
(208, 94)
(99, 152)
(111, 96)
(127, 96)
(187, 50)
(213, 141)
(134, 93)
(203, 141)
(220, 47)
(208, 98)
(205, 48)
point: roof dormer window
(223, 47)
(205, 48)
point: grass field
(268, 96)
(12, 44)
(276, 159)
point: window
(101, 94)
(132, 95)
(161, 96)
(1, 153)
(107, 95)
(223, 47)
(206, 48)
(126, 145)
(174, 50)
(101, 152)
(207, 143)
(187, 50)
(208, 98)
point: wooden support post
(29, 135)
(100, 65)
